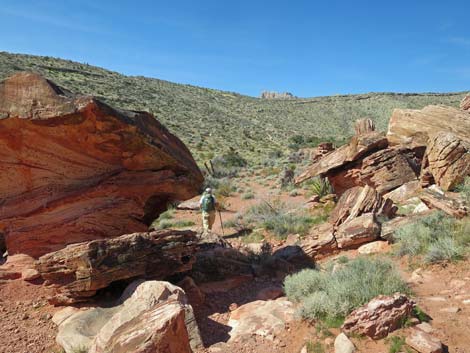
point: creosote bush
(331, 294)
(434, 238)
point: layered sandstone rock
(359, 147)
(384, 170)
(379, 317)
(79, 270)
(446, 161)
(414, 127)
(74, 169)
(360, 200)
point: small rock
(329, 341)
(374, 248)
(466, 301)
(30, 274)
(25, 317)
(270, 293)
(450, 310)
(425, 327)
(304, 349)
(423, 342)
(343, 344)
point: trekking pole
(221, 224)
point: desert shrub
(464, 190)
(315, 347)
(276, 217)
(396, 344)
(434, 238)
(294, 193)
(333, 294)
(318, 186)
(166, 224)
(248, 195)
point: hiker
(207, 204)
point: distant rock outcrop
(276, 95)
(74, 169)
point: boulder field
(74, 169)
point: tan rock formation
(357, 231)
(379, 317)
(74, 169)
(79, 270)
(465, 103)
(446, 161)
(363, 126)
(360, 200)
(414, 127)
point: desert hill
(210, 121)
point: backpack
(208, 203)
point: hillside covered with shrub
(210, 121)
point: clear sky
(309, 48)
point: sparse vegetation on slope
(211, 121)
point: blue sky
(309, 48)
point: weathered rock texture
(363, 126)
(446, 161)
(74, 169)
(262, 318)
(358, 147)
(465, 103)
(451, 204)
(353, 222)
(79, 270)
(151, 316)
(414, 127)
(379, 317)
(423, 342)
(360, 200)
(385, 170)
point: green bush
(333, 294)
(434, 238)
(276, 217)
(318, 186)
(248, 196)
(464, 190)
(396, 344)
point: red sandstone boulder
(379, 317)
(74, 169)
(446, 161)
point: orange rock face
(74, 169)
